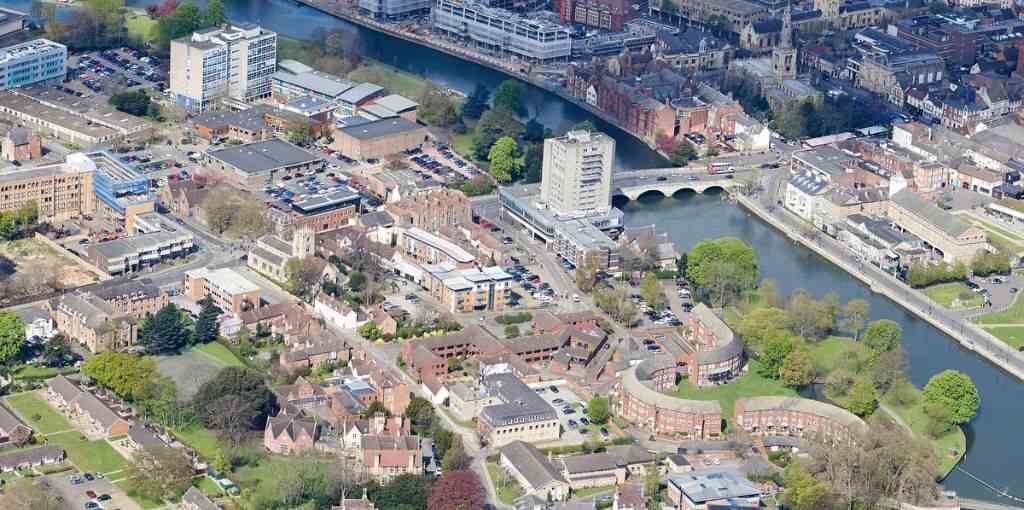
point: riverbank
(966, 334)
(335, 9)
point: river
(993, 451)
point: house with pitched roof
(95, 414)
(535, 473)
(32, 457)
(194, 499)
(291, 431)
(13, 431)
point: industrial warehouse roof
(265, 156)
(321, 83)
(379, 128)
(315, 203)
(704, 487)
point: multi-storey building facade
(468, 290)
(737, 13)
(35, 61)
(427, 248)
(433, 209)
(516, 413)
(577, 172)
(61, 192)
(638, 397)
(90, 321)
(228, 289)
(393, 9)
(234, 61)
(534, 39)
(952, 238)
(135, 253)
(800, 417)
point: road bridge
(668, 186)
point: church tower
(784, 55)
(303, 242)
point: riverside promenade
(967, 334)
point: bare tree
(233, 417)
(29, 494)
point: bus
(721, 168)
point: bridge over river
(669, 181)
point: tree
(509, 97)
(883, 335)
(376, 407)
(775, 353)
(887, 368)
(214, 14)
(838, 383)
(206, 329)
(457, 490)
(954, 391)
(57, 350)
(511, 331)
(185, 19)
(597, 409)
(303, 274)
(724, 267)
(808, 317)
(227, 211)
(127, 375)
(862, 398)
(682, 153)
(586, 274)
(356, 281)
(235, 395)
(760, 324)
(421, 415)
(29, 494)
(494, 125)
(456, 457)
(803, 491)
(477, 102)
(855, 315)
(161, 471)
(12, 336)
(299, 132)
(797, 369)
(436, 108)
(652, 291)
(989, 263)
(409, 492)
(534, 131)
(135, 102)
(506, 159)
(166, 331)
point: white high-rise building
(234, 61)
(577, 173)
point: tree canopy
(506, 159)
(12, 336)
(883, 335)
(127, 375)
(723, 267)
(206, 329)
(954, 391)
(597, 409)
(166, 331)
(457, 490)
(509, 97)
(241, 391)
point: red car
(91, 494)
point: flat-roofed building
(232, 61)
(713, 489)
(41, 60)
(358, 96)
(737, 13)
(578, 172)
(427, 248)
(81, 120)
(294, 79)
(533, 37)
(258, 163)
(468, 290)
(60, 192)
(954, 239)
(227, 288)
(379, 138)
(135, 253)
(324, 213)
(518, 414)
(394, 9)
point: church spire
(787, 28)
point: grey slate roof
(804, 405)
(265, 156)
(397, 103)
(532, 464)
(727, 346)
(379, 128)
(321, 83)
(9, 422)
(929, 212)
(702, 487)
(125, 287)
(360, 93)
(519, 403)
(649, 395)
(198, 500)
(31, 456)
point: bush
(923, 275)
(511, 331)
(514, 318)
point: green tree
(683, 152)
(803, 491)
(57, 350)
(12, 337)
(477, 102)
(456, 457)
(185, 19)
(955, 391)
(855, 315)
(127, 375)
(30, 494)
(797, 369)
(402, 492)
(862, 399)
(206, 329)
(506, 159)
(598, 409)
(586, 274)
(299, 132)
(989, 263)
(809, 317)
(421, 415)
(883, 335)
(436, 108)
(774, 356)
(585, 125)
(652, 291)
(511, 331)
(534, 131)
(303, 275)
(492, 126)
(214, 14)
(724, 267)
(509, 97)
(166, 331)
(760, 324)
(244, 388)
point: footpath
(967, 334)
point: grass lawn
(220, 353)
(945, 293)
(262, 477)
(208, 486)
(88, 455)
(750, 384)
(200, 438)
(128, 486)
(592, 491)
(827, 353)
(30, 405)
(34, 372)
(1014, 314)
(391, 78)
(463, 145)
(1012, 335)
(954, 440)
(506, 487)
(140, 26)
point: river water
(994, 453)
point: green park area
(34, 410)
(949, 447)
(750, 384)
(220, 353)
(1012, 335)
(96, 455)
(1006, 324)
(200, 438)
(140, 26)
(827, 354)
(954, 296)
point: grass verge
(825, 355)
(1013, 314)
(88, 455)
(200, 438)
(592, 491)
(140, 26)
(1011, 335)
(37, 413)
(946, 294)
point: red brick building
(291, 431)
(653, 411)
(799, 417)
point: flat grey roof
(141, 242)
(930, 213)
(379, 128)
(317, 202)
(520, 404)
(397, 103)
(321, 83)
(360, 93)
(265, 156)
